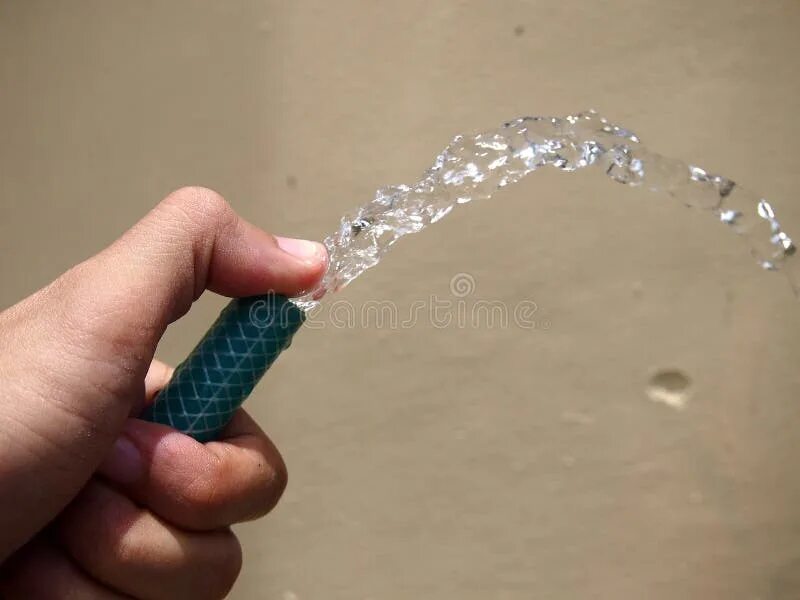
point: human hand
(95, 504)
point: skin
(94, 503)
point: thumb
(74, 356)
(190, 242)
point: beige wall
(465, 463)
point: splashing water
(473, 167)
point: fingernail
(124, 462)
(305, 250)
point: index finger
(198, 486)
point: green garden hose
(226, 365)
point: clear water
(473, 167)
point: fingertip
(157, 441)
(313, 256)
(250, 261)
(309, 261)
(124, 463)
(157, 378)
(309, 253)
(141, 445)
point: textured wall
(476, 462)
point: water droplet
(359, 225)
(765, 210)
(729, 217)
(670, 387)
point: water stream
(473, 167)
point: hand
(94, 504)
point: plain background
(477, 462)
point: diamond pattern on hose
(226, 365)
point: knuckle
(122, 551)
(199, 204)
(227, 566)
(115, 547)
(194, 218)
(111, 545)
